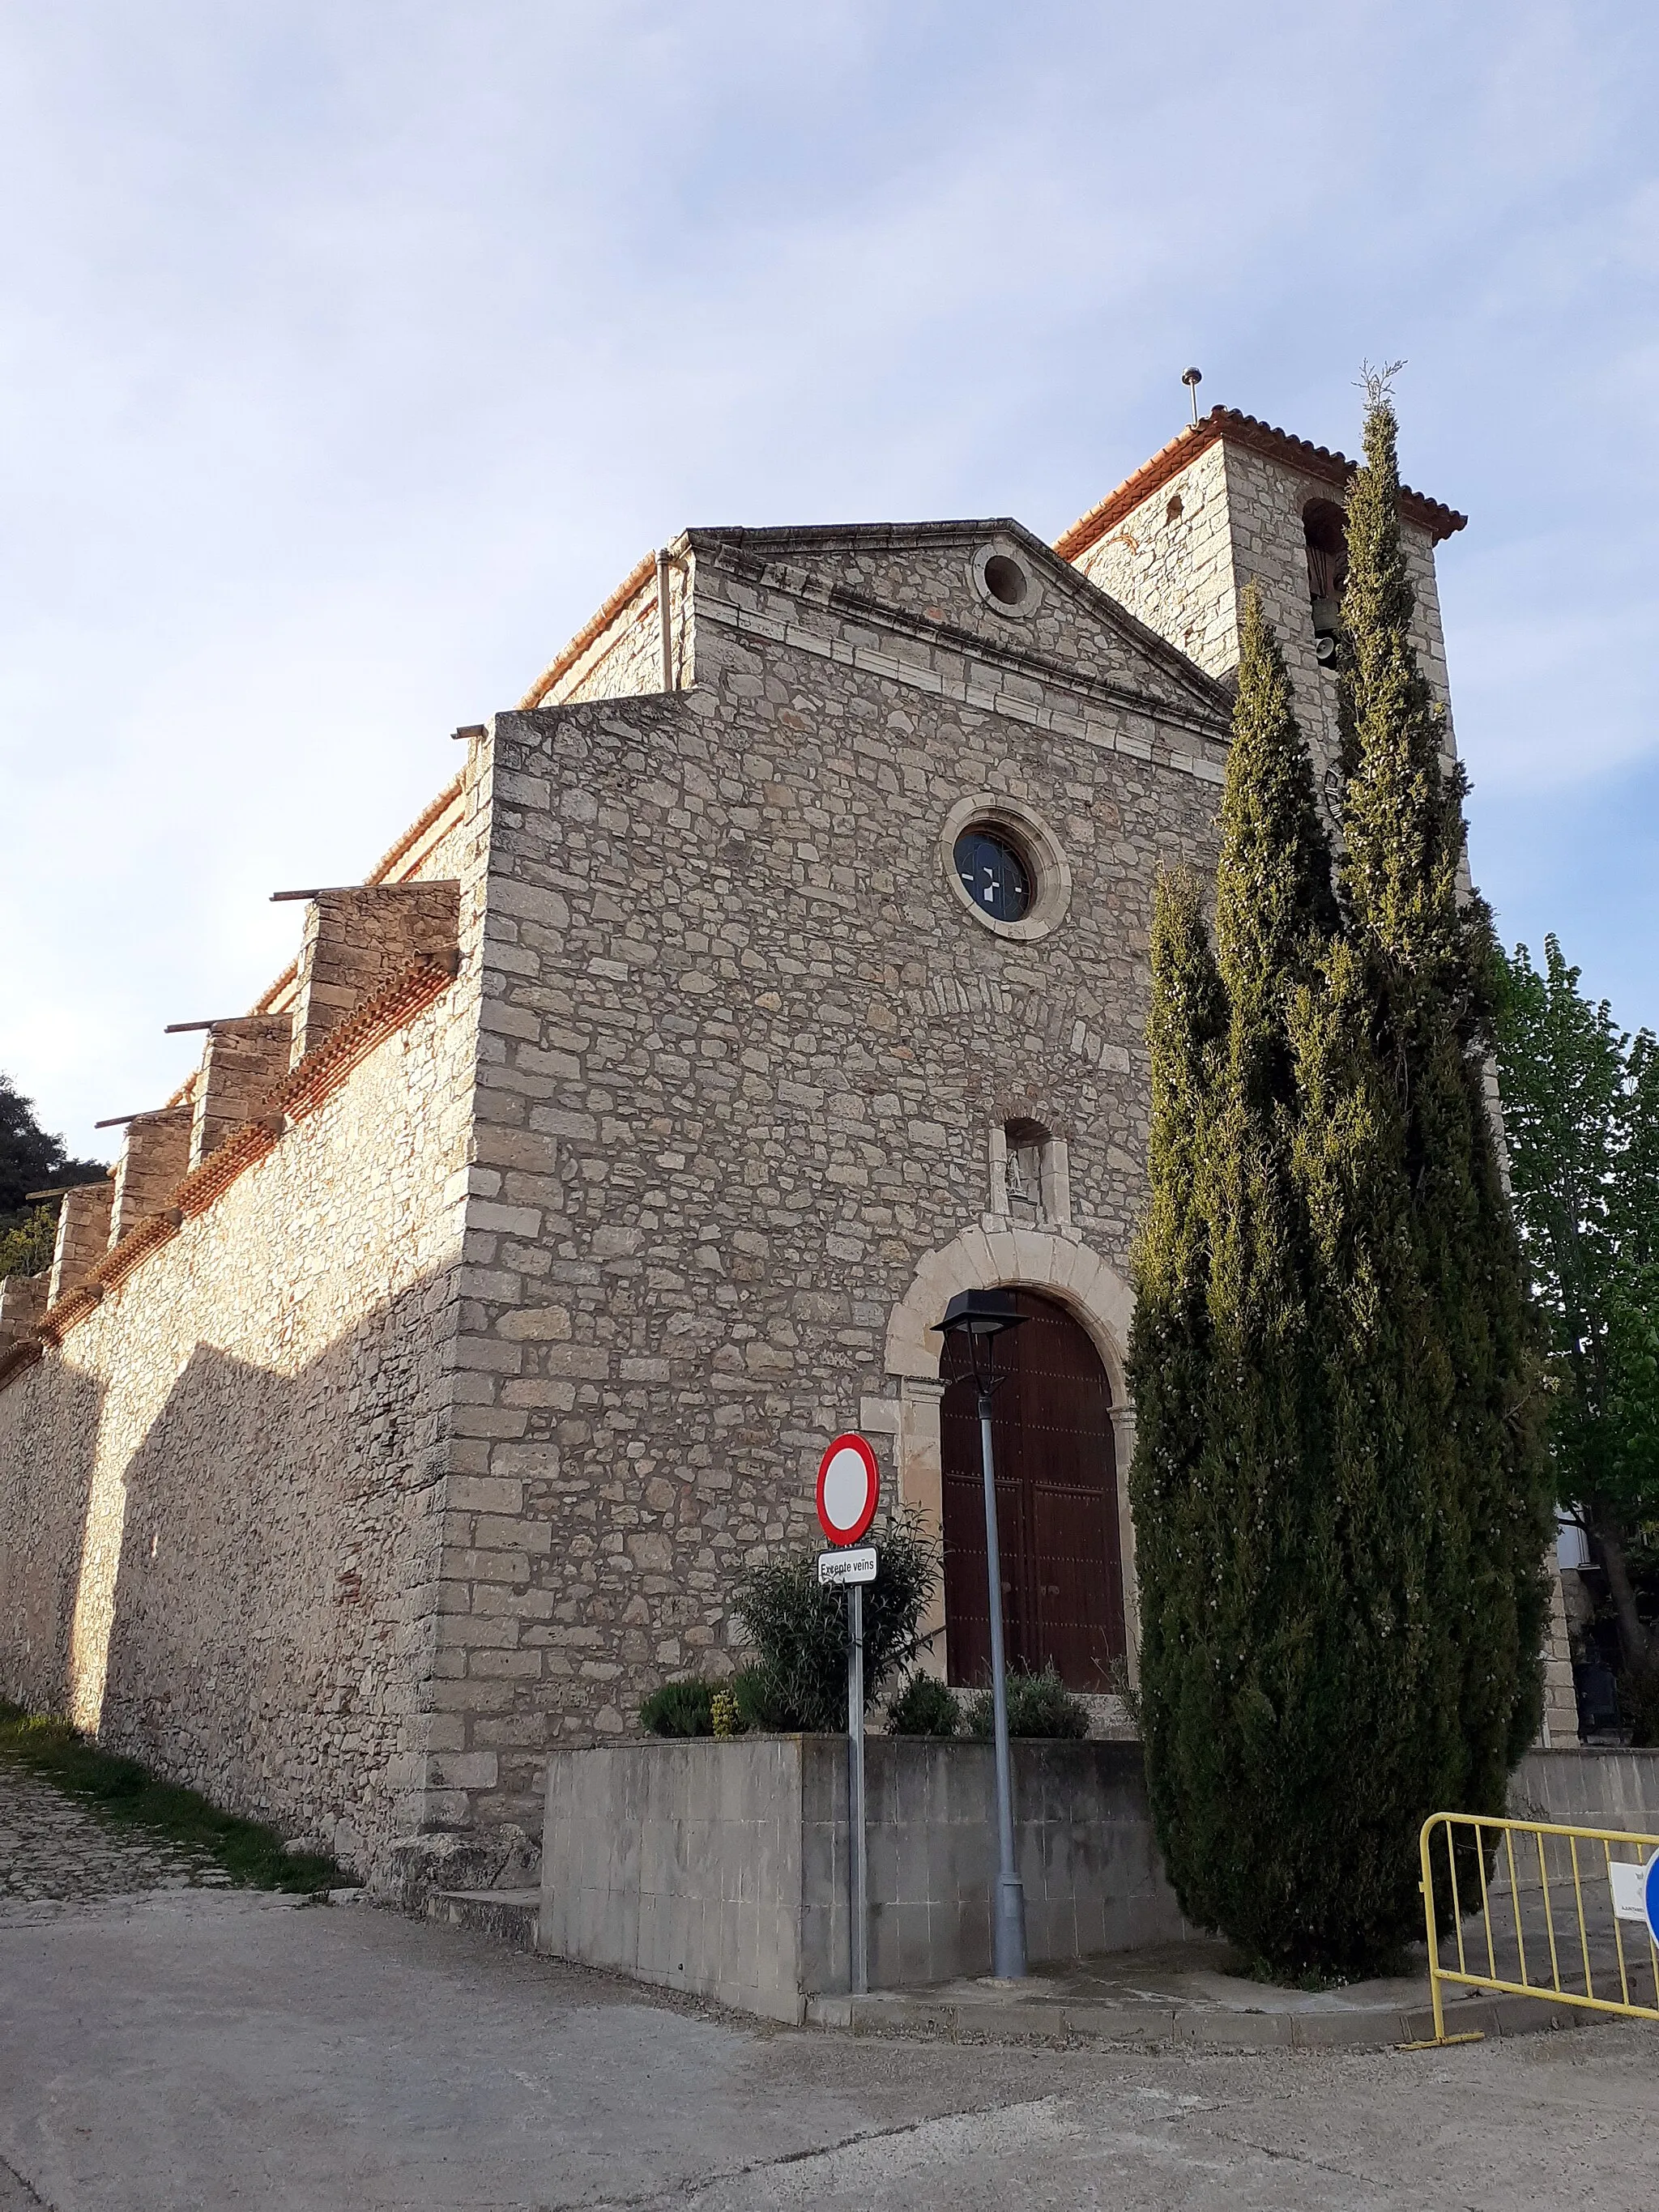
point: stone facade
(741, 1049)
(222, 1482)
(356, 941)
(217, 1529)
(22, 1304)
(152, 1157)
(429, 1420)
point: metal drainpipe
(665, 620)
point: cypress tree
(1335, 1480)
(1434, 973)
(1170, 1361)
(1243, 1652)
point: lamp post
(981, 1317)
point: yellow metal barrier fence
(1519, 1877)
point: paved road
(185, 2046)
(57, 1854)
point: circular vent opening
(1005, 579)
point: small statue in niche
(1025, 1183)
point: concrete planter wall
(1589, 1789)
(720, 1868)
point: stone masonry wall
(23, 1301)
(740, 1047)
(155, 1153)
(242, 1062)
(1178, 573)
(83, 1236)
(445, 1432)
(221, 1499)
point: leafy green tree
(30, 1160)
(1582, 1113)
(1340, 1508)
(27, 1249)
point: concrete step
(509, 1914)
(1005, 2016)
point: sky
(352, 354)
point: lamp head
(980, 1314)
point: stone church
(410, 1397)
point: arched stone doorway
(1053, 1439)
(1057, 1265)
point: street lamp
(981, 1317)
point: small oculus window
(1004, 863)
(1006, 580)
(993, 875)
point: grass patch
(128, 1794)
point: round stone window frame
(1038, 849)
(1004, 548)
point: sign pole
(1008, 1912)
(850, 1485)
(858, 1858)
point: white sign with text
(836, 1569)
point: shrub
(723, 1712)
(923, 1707)
(797, 1679)
(1038, 1705)
(761, 1704)
(26, 1246)
(683, 1708)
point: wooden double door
(1057, 1524)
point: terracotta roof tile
(448, 797)
(1226, 422)
(630, 586)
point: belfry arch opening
(1057, 1504)
(1325, 529)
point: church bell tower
(1231, 501)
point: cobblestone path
(56, 1852)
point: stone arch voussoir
(1013, 1259)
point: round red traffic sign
(849, 1486)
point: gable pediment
(990, 591)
